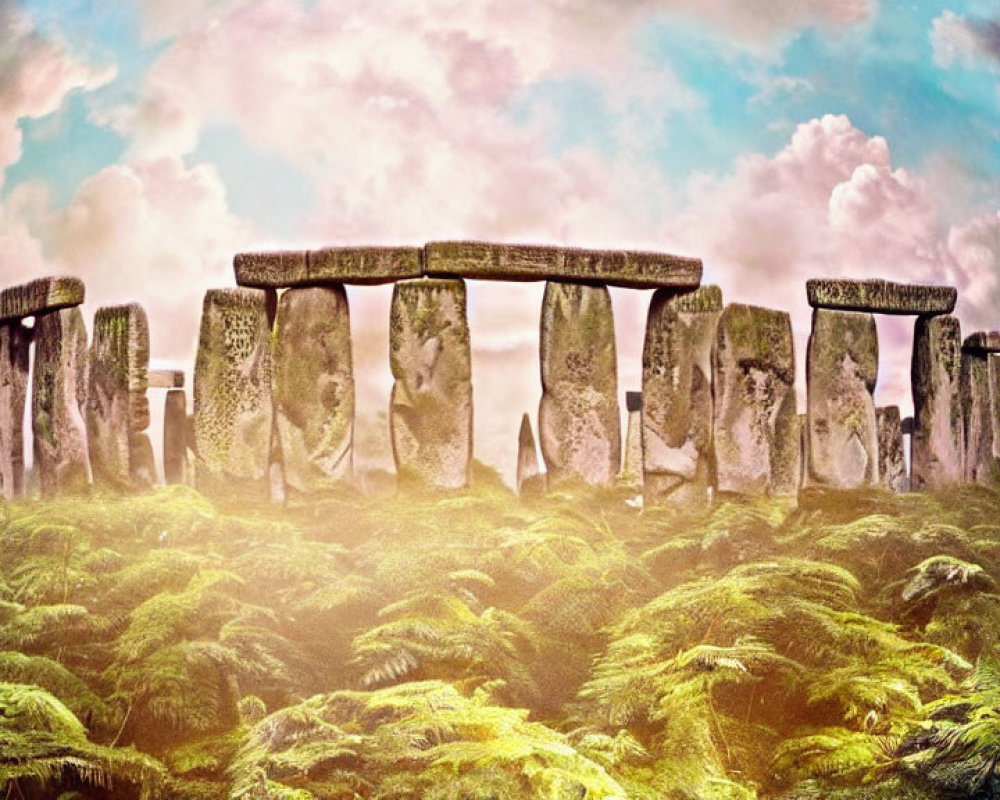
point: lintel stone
(331, 265)
(166, 378)
(982, 342)
(40, 296)
(881, 297)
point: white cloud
(957, 40)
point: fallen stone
(841, 370)
(980, 464)
(755, 419)
(40, 297)
(529, 478)
(117, 410)
(678, 460)
(938, 444)
(519, 262)
(166, 378)
(578, 421)
(982, 342)
(430, 413)
(58, 399)
(891, 463)
(233, 409)
(175, 460)
(632, 456)
(881, 297)
(314, 387)
(14, 343)
(331, 265)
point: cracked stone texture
(233, 408)
(529, 477)
(14, 342)
(881, 297)
(755, 420)
(314, 387)
(841, 370)
(980, 464)
(40, 297)
(938, 445)
(520, 262)
(331, 265)
(117, 410)
(58, 399)
(677, 453)
(430, 409)
(175, 461)
(578, 421)
(891, 462)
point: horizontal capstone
(40, 296)
(881, 297)
(331, 265)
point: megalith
(578, 421)
(15, 340)
(678, 458)
(755, 420)
(891, 462)
(117, 412)
(430, 410)
(58, 398)
(841, 370)
(977, 407)
(529, 477)
(938, 438)
(233, 410)
(314, 387)
(632, 455)
(175, 461)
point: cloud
(966, 42)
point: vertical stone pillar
(430, 413)
(841, 370)
(314, 387)
(528, 474)
(993, 377)
(14, 342)
(632, 457)
(117, 412)
(233, 410)
(980, 464)
(58, 396)
(755, 419)
(578, 422)
(891, 462)
(938, 436)
(678, 459)
(175, 460)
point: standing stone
(754, 415)
(14, 342)
(175, 437)
(841, 370)
(678, 460)
(233, 409)
(314, 387)
(529, 478)
(578, 422)
(430, 413)
(891, 463)
(938, 437)
(117, 407)
(632, 457)
(59, 388)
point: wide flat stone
(175, 460)
(982, 342)
(166, 378)
(578, 422)
(314, 387)
(980, 465)
(880, 296)
(14, 347)
(938, 446)
(39, 297)
(891, 462)
(331, 265)
(430, 409)
(519, 262)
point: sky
(143, 144)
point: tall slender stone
(430, 413)
(528, 475)
(14, 342)
(755, 419)
(632, 456)
(678, 459)
(58, 396)
(993, 379)
(175, 461)
(233, 410)
(841, 370)
(578, 422)
(314, 387)
(938, 438)
(891, 462)
(979, 463)
(117, 407)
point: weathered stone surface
(632, 456)
(39, 297)
(142, 461)
(891, 462)
(755, 419)
(841, 370)
(165, 378)
(233, 409)
(117, 410)
(519, 262)
(430, 413)
(938, 438)
(678, 461)
(175, 462)
(993, 377)
(58, 398)
(980, 465)
(331, 265)
(14, 342)
(578, 422)
(881, 297)
(982, 342)
(314, 387)
(786, 460)
(529, 478)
